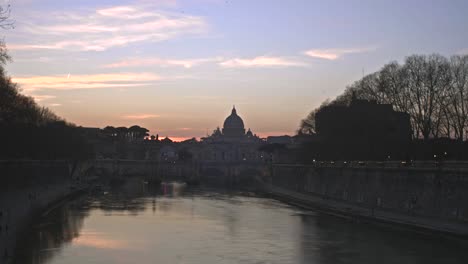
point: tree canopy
(432, 89)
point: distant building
(168, 153)
(233, 131)
(364, 130)
(231, 143)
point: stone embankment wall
(427, 195)
(26, 189)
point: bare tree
(367, 88)
(428, 80)
(308, 124)
(431, 89)
(458, 95)
(5, 21)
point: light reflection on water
(137, 224)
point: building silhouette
(230, 144)
(363, 130)
(233, 131)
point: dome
(233, 125)
(233, 121)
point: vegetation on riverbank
(432, 89)
(30, 131)
(428, 95)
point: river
(173, 224)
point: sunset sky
(176, 67)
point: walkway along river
(137, 223)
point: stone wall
(422, 191)
(26, 189)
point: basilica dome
(233, 125)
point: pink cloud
(101, 29)
(333, 54)
(140, 116)
(92, 81)
(40, 98)
(186, 63)
(262, 61)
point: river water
(139, 224)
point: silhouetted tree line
(29, 131)
(432, 89)
(133, 133)
(122, 142)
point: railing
(381, 164)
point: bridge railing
(382, 164)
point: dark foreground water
(136, 224)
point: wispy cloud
(54, 104)
(101, 29)
(92, 81)
(136, 62)
(262, 61)
(41, 97)
(140, 116)
(333, 54)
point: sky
(177, 67)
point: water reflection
(141, 223)
(47, 238)
(336, 240)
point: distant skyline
(177, 67)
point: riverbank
(20, 207)
(136, 223)
(422, 196)
(376, 216)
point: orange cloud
(274, 133)
(177, 139)
(40, 98)
(93, 81)
(140, 116)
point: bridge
(231, 173)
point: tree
(458, 95)
(431, 89)
(5, 21)
(110, 131)
(308, 124)
(393, 84)
(428, 80)
(121, 133)
(134, 132)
